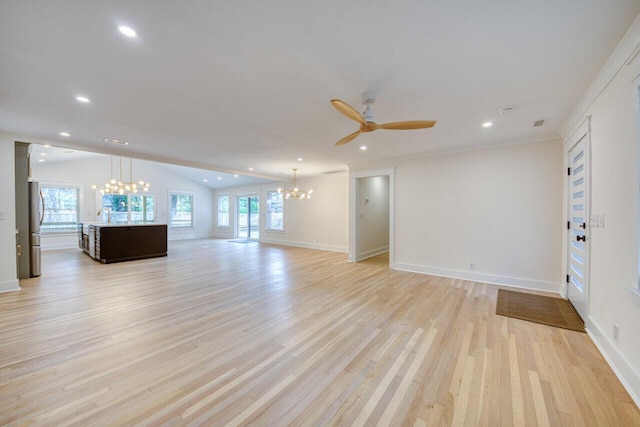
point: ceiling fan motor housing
(368, 98)
(368, 116)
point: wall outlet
(616, 333)
(472, 266)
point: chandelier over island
(296, 193)
(120, 186)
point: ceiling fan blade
(347, 110)
(413, 124)
(348, 138)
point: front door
(578, 227)
(248, 217)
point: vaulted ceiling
(235, 85)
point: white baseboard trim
(514, 282)
(176, 236)
(625, 372)
(10, 285)
(221, 236)
(372, 253)
(306, 245)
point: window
(223, 211)
(125, 208)
(275, 214)
(181, 214)
(60, 209)
(142, 208)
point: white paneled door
(577, 268)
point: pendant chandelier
(120, 186)
(296, 193)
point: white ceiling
(231, 85)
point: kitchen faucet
(108, 214)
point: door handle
(19, 250)
(42, 214)
(583, 238)
(583, 225)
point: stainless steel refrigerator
(36, 215)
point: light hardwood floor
(221, 333)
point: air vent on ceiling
(538, 123)
(116, 141)
(335, 172)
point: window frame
(228, 211)
(268, 225)
(70, 228)
(193, 209)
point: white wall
(8, 272)
(95, 170)
(499, 209)
(613, 105)
(319, 223)
(372, 216)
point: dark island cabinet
(109, 243)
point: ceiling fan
(367, 120)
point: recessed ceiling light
(219, 178)
(116, 141)
(487, 124)
(363, 147)
(127, 31)
(41, 160)
(205, 180)
(46, 146)
(65, 134)
(300, 159)
(43, 154)
(250, 169)
(83, 99)
(235, 175)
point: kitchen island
(109, 243)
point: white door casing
(578, 225)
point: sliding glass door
(248, 217)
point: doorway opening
(248, 218)
(371, 211)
